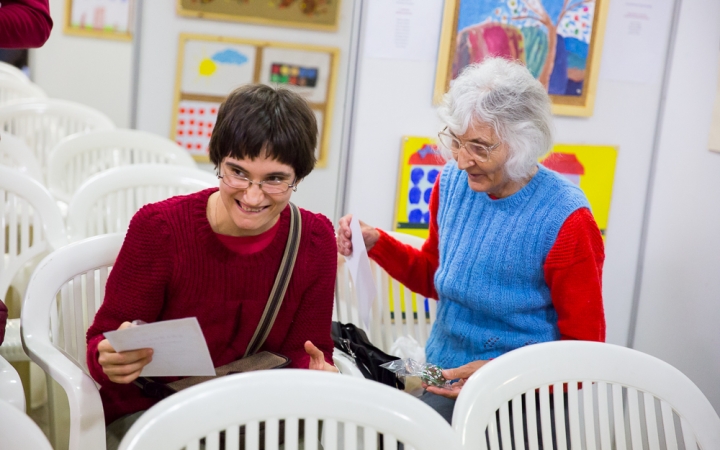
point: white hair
(504, 95)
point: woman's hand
(462, 372)
(344, 236)
(122, 367)
(317, 359)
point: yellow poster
(592, 167)
(420, 165)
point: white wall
(160, 31)
(394, 99)
(95, 72)
(679, 310)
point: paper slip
(179, 347)
(359, 266)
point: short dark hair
(256, 118)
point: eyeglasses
(478, 151)
(272, 187)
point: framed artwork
(560, 42)
(420, 165)
(315, 14)
(109, 19)
(592, 168)
(210, 67)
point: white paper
(359, 265)
(636, 43)
(179, 347)
(403, 29)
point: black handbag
(355, 343)
(252, 360)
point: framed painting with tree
(559, 41)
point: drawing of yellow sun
(207, 67)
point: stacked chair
(78, 157)
(340, 412)
(616, 398)
(43, 123)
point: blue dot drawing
(416, 216)
(432, 175)
(417, 175)
(427, 194)
(426, 217)
(414, 195)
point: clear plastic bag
(407, 347)
(428, 373)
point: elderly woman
(514, 255)
(214, 255)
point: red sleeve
(3, 320)
(412, 267)
(24, 23)
(573, 271)
(137, 282)
(313, 317)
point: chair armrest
(87, 420)
(345, 365)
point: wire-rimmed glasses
(478, 151)
(272, 187)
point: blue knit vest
(491, 286)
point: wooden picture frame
(315, 14)
(97, 12)
(495, 28)
(225, 63)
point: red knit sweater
(172, 265)
(573, 270)
(24, 23)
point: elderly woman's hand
(344, 236)
(462, 373)
(317, 359)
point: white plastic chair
(13, 89)
(106, 202)
(11, 390)
(31, 225)
(65, 292)
(345, 365)
(359, 410)
(76, 158)
(15, 153)
(626, 397)
(8, 71)
(43, 123)
(18, 431)
(385, 327)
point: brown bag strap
(281, 283)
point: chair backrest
(18, 431)
(106, 202)
(11, 388)
(65, 292)
(616, 398)
(43, 123)
(14, 89)
(76, 158)
(15, 153)
(359, 410)
(8, 71)
(30, 223)
(396, 312)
